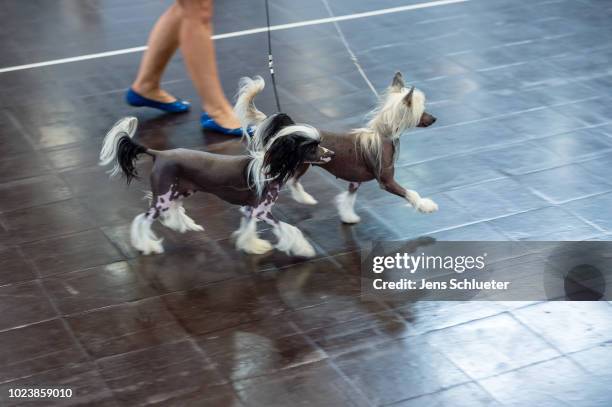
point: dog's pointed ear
(280, 120)
(398, 82)
(408, 97)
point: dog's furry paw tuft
(426, 205)
(345, 203)
(350, 218)
(307, 199)
(258, 246)
(300, 195)
(304, 250)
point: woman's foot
(157, 94)
(157, 99)
(225, 119)
(222, 121)
(209, 124)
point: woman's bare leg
(199, 53)
(162, 44)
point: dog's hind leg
(166, 205)
(173, 213)
(246, 235)
(297, 190)
(142, 236)
(162, 207)
(345, 202)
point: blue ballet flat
(134, 99)
(209, 124)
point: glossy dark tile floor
(521, 150)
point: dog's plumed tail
(118, 147)
(245, 108)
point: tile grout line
(516, 143)
(544, 339)
(62, 319)
(432, 393)
(24, 133)
(350, 52)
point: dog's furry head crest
(278, 146)
(399, 109)
(277, 149)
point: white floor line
(242, 33)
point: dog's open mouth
(322, 160)
(325, 156)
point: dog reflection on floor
(277, 150)
(367, 153)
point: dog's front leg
(246, 235)
(424, 205)
(290, 239)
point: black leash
(271, 59)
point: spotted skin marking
(353, 187)
(165, 201)
(263, 210)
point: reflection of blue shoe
(209, 124)
(134, 99)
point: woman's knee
(200, 10)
